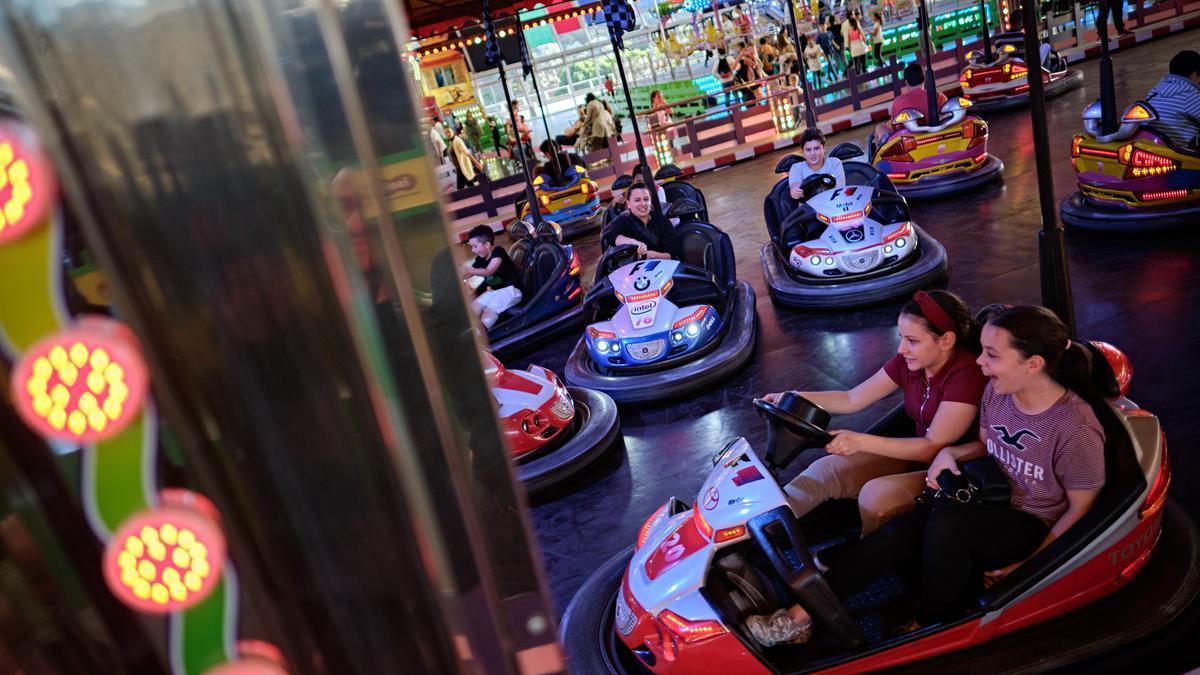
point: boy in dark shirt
(499, 276)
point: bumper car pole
(1052, 254)
(534, 207)
(1108, 91)
(985, 31)
(810, 113)
(614, 36)
(528, 71)
(932, 119)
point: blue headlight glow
(602, 345)
(901, 242)
(692, 329)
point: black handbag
(981, 481)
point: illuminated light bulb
(42, 405)
(6, 153)
(42, 368)
(198, 551)
(77, 422)
(168, 533)
(95, 382)
(87, 403)
(112, 408)
(78, 354)
(134, 545)
(181, 558)
(99, 359)
(178, 592)
(60, 395)
(171, 576)
(141, 589)
(187, 538)
(118, 391)
(36, 386)
(57, 418)
(158, 593)
(148, 534)
(18, 172)
(192, 581)
(200, 566)
(97, 420)
(113, 372)
(147, 570)
(129, 576)
(156, 550)
(126, 559)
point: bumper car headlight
(564, 407)
(602, 346)
(901, 242)
(692, 330)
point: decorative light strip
(459, 43)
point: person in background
(460, 155)
(1117, 9)
(914, 97)
(474, 132)
(662, 117)
(1176, 99)
(609, 86)
(824, 40)
(877, 36)
(812, 58)
(767, 56)
(723, 71)
(787, 54)
(437, 137)
(568, 137)
(858, 45)
(839, 45)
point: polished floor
(1137, 292)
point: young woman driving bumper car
(554, 432)
(676, 601)
(1134, 178)
(662, 327)
(844, 247)
(943, 158)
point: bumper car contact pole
(534, 207)
(930, 81)
(985, 30)
(1108, 90)
(810, 113)
(647, 175)
(1052, 254)
(555, 156)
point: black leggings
(946, 548)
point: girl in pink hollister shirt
(1044, 437)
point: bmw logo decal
(641, 283)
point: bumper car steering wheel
(816, 184)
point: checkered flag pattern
(620, 17)
(526, 64)
(491, 47)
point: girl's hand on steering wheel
(941, 462)
(845, 443)
(641, 250)
(773, 398)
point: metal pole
(530, 194)
(647, 177)
(1052, 254)
(554, 154)
(810, 113)
(1108, 92)
(986, 31)
(927, 47)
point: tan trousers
(884, 486)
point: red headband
(934, 312)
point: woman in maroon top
(1049, 445)
(935, 369)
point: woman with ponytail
(1046, 439)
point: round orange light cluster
(165, 559)
(83, 384)
(26, 181)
